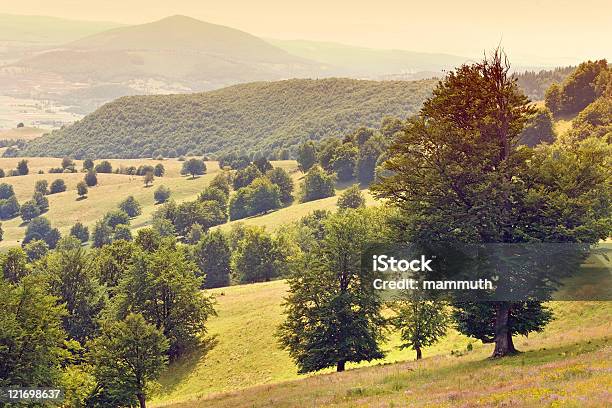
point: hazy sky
(553, 31)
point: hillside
(242, 366)
(252, 117)
(175, 54)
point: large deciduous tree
(333, 313)
(457, 174)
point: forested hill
(261, 117)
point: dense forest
(534, 84)
(263, 117)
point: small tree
(421, 322)
(29, 210)
(126, 357)
(42, 186)
(36, 249)
(148, 178)
(282, 179)
(246, 176)
(131, 207)
(162, 194)
(351, 198)
(6, 191)
(317, 184)
(307, 156)
(22, 167)
(159, 170)
(82, 189)
(116, 217)
(212, 254)
(102, 234)
(122, 232)
(88, 165)
(195, 167)
(91, 179)
(57, 186)
(68, 164)
(80, 232)
(104, 167)
(263, 165)
(41, 201)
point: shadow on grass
(81, 198)
(522, 359)
(181, 369)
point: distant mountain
(21, 36)
(176, 54)
(256, 117)
(354, 61)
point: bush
(6, 191)
(82, 189)
(41, 201)
(159, 170)
(283, 180)
(40, 228)
(22, 167)
(104, 167)
(88, 164)
(246, 176)
(351, 198)
(91, 179)
(195, 167)
(317, 184)
(122, 232)
(162, 194)
(131, 207)
(29, 210)
(115, 218)
(57, 186)
(42, 186)
(9, 207)
(80, 232)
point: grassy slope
(24, 133)
(65, 209)
(242, 352)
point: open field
(23, 133)
(65, 210)
(242, 366)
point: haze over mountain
(21, 35)
(354, 61)
(175, 54)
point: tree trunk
(419, 354)
(503, 338)
(340, 366)
(141, 400)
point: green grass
(65, 210)
(242, 365)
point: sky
(546, 32)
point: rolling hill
(175, 54)
(253, 117)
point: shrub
(80, 232)
(351, 198)
(57, 186)
(91, 179)
(104, 167)
(162, 194)
(82, 189)
(29, 210)
(317, 184)
(131, 207)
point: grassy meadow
(241, 365)
(65, 209)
